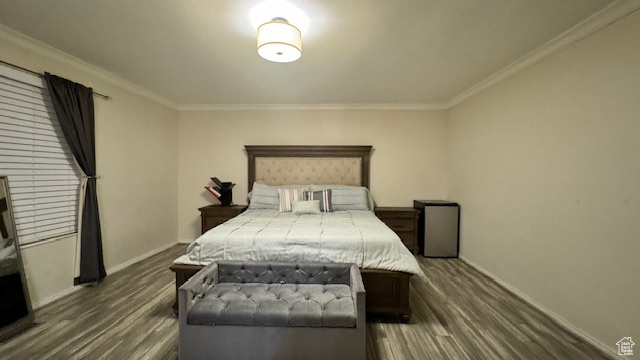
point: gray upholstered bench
(257, 310)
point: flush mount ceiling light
(279, 41)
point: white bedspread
(268, 235)
(8, 261)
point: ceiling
(203, 52)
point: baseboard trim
(111, 270)
(55, 297)
(553, 316)
(122, 266)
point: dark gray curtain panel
(73, 104)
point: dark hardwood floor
(458, 313)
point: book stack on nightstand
(404, 222)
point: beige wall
(407, 161)
(136, 145)
(545, 165)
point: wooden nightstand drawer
(211, 222)
(399, 224)
(404, 222)
(406, 237)
(395, 214)
(214, 215)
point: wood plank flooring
(458, 313)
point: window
(44, 180)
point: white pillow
(305, 207)
(288, 196)
(264, 197)
(347, 197)
(324, 196)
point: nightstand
(214, 215)
(404, 222)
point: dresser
(404, 222)
(214, 215)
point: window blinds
(44, 180)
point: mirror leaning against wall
(16, 314)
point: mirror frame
(27, 321)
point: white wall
(136, 153)
(545, 165)
(407, 161)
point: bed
(8, 258)
(351, 235)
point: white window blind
(44, 180)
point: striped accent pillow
(287, 196)
(323, 195)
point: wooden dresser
(404, 222)
(214, 215)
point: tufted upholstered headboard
(308, 164)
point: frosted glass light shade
(279, 41)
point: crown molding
(46, 50)
(603, 18)
(379, 107)
(607, 16)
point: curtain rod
(106, 97)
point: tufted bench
(269, 310)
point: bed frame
(387, 291)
